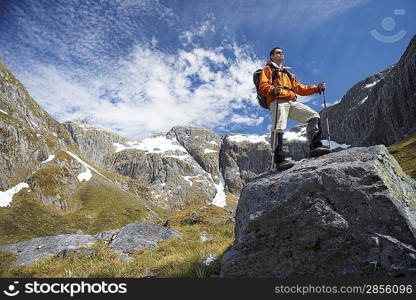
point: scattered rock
(194, 218)
(36, 249)
(141, 235)
(123, 241)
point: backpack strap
(275, 74)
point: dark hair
(272, 51)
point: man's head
(277, 55)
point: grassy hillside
(102, 207)
(405, 153)
(179, 257)
(89, 206)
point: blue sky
(143, 66)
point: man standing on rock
(280, 88)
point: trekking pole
(327, 122)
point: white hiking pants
(289, 109)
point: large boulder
(349, 213)
(30, 251)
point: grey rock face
(27, 133)
(202, 144)
(20, 151)
(179, 166)
(349, 213)
(243, 157)
(174, 177)
(129, 238)
(93, 142)
(380, 109)
(62, 172)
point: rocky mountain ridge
(380, 109)
(186, 162)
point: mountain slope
(380, 109)
(46, 185)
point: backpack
(256, 80)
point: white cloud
(199, 29)
(152, 91)
(253, 120)
(305, 99)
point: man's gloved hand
(321, 87)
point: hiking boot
(314, 134)
(281, 163)
(284, 165)
(319, 151)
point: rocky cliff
(349, 213)
(28, 135)
(93, 142)
(174, 177)
(380, 109)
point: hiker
(280, 88)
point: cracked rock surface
(349, 213)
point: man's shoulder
(267, 68)
(291, 74)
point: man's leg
(314, 132)
(303, 114)
(279, 122)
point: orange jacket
(267, 86)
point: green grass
(175, 258)
(404, 152)
(101, 207)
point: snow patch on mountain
(87, 174)
(220, 198)
(51, 157)
(240, 138)
(371, 84)
(292, 136)
(6, 197)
